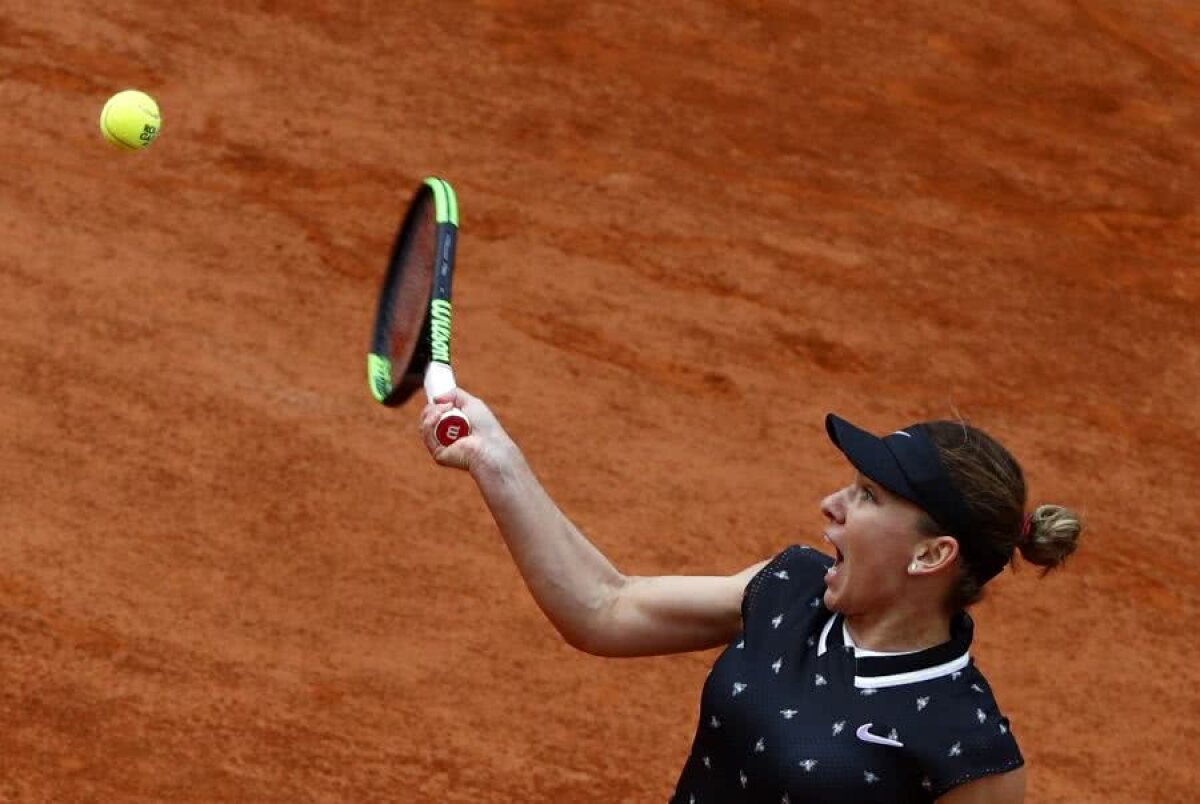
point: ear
(933, 555)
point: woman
(845, 678)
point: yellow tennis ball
(130, 120)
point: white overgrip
(439, 379)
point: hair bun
(1049, 535)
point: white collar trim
(875, 682)
(897, 679)
(821, 646)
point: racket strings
(413, 276)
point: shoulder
(798, 559)
(795, 574)
(797, 566)
(972, 739)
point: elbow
(606, 646)
(595, 631)
(584, 642)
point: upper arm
(648, 616)
(1002, 788)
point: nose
(834, 507)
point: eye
(868, 493)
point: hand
(487, 447)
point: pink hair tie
(1027, 529)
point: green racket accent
(445, 203)
(379, 376)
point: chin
(830, 600)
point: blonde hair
(993, 486)
(1053, 535)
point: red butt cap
(452, 426)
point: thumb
(455, 396)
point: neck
(899, 629)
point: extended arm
(593, 605)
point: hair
(993, 485)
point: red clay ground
(689, 229)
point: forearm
(594, 607)
(569, 578)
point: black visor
(906, 463)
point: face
(874, 534)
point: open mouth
(838, 558)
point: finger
(457, 455)
(455, 396)
(435, 409)
(429, 416)
(429, 437)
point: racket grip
(439, 379)
(451, 426)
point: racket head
(412, 318)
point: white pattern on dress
(782, 575)
(788, 714)
(837, 727)
(955, 750)
(981, 715)
(716, 724)
(808, 765)
(738, 687)
(820, 680)
(760, 746)
(869, 777)
(922, 703)
(775, 621)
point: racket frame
(434, 374)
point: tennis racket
(410, 346)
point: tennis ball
(130, 120)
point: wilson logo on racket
(439, 330)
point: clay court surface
(689, 230)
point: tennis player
(845, 677)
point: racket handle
(451, 426)
(439, 379)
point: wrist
(500, 461)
